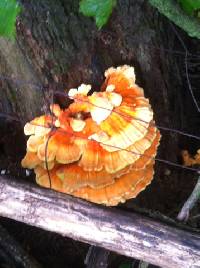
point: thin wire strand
(121, 114)
(21, 82)
(47, 143)
(72, 134)
(180, 53)
(135, 118)
(10, 117)
(186, 67)
(46, 162)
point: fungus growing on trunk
(189, 160)
(102, 147)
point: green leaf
(99, 9)
(190, 5)
(9, 9)
(172, 10)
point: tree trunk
(57, 48)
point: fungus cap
(100, 148)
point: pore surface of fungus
(100, 148)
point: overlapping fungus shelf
(102, 147)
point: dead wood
(125, 233)
(190, 203)
(97, 257)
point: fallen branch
(189, 204)
(128, 234)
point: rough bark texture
(126, 233)
(57, 48)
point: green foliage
(172, 10)
(190, 6)
(9, 9)
(99, 9)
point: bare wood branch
(97, 257)
(190, 203)
(125, 233)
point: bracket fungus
(100, 148)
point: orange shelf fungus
(102, 147)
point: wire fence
(187, 56)
(125, 116)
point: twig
(189, 204)
(143, 264)
(97, 257)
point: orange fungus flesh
(189, 160)
(102, 147)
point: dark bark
(57, 48)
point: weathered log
(125, 233)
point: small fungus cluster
(102, 147)
(189, 160)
